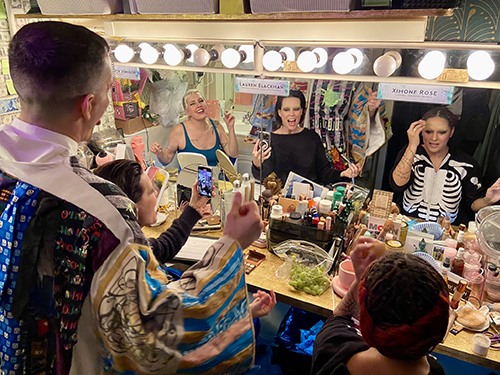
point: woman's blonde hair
(189, 93)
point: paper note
(10, 87)
(5, 67)
(195, 248)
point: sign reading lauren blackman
(415, 93)
(262, 86)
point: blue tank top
(210, 153)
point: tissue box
(174, 6)
(133, 125)
(293, 6)
(80, 6)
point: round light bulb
(432, 65)
(384, 66)
(480, 65)
(307, 61)
(192, 48)
(231, 58)
(172, 55)
(396, 56)
(148, 54)
(323, 56)
(290, 53)
(358, 57)
(272, 60)
(123, 53)
(201, 57)
(249, 51)
(220, 49)
(343, 63)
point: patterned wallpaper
(475, 21)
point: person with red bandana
(402, 306)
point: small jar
(403, 232)
(450, 242)
(394, 245)
(277, 212)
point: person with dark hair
(81, 290)
(402, 306)
(296, 149)
(135, 183)
(435, 180)
(199, 134)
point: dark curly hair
(444, 113)
(404, 306)
(279, 103)
(126, 174)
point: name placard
(262, 86)
(127, 72)
(415, 93)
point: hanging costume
(80, 238)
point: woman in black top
(295, 149)
(401, 302)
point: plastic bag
(166, 99)
(306, 266)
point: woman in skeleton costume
(435, 180)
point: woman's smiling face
(290, 113)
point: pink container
(476, 284)
(470, 268)
(450, 252)
(346, 273)
(450, 242)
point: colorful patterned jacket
(87, 275)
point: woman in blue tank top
(199, 133)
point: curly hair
(404, 306)
(444, 113)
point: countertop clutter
(272, 267)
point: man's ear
(86, 105)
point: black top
(170, 242)
(302, 153)
(429, 194)
(338, 341)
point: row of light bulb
(173, 55)
(307, 61)
(480, 65)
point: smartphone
(205, 181)
(265, 140)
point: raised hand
(262, 304)
(156, 148)
(266, 154)
(229, 119)
(414, 131)
(243, 222)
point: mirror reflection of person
(296, 149)
(434, 179)
(199, 134)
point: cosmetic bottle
(457, 296)
(446, 263)
(457, 267)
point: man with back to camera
(66, 233)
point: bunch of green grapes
(311, 280)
